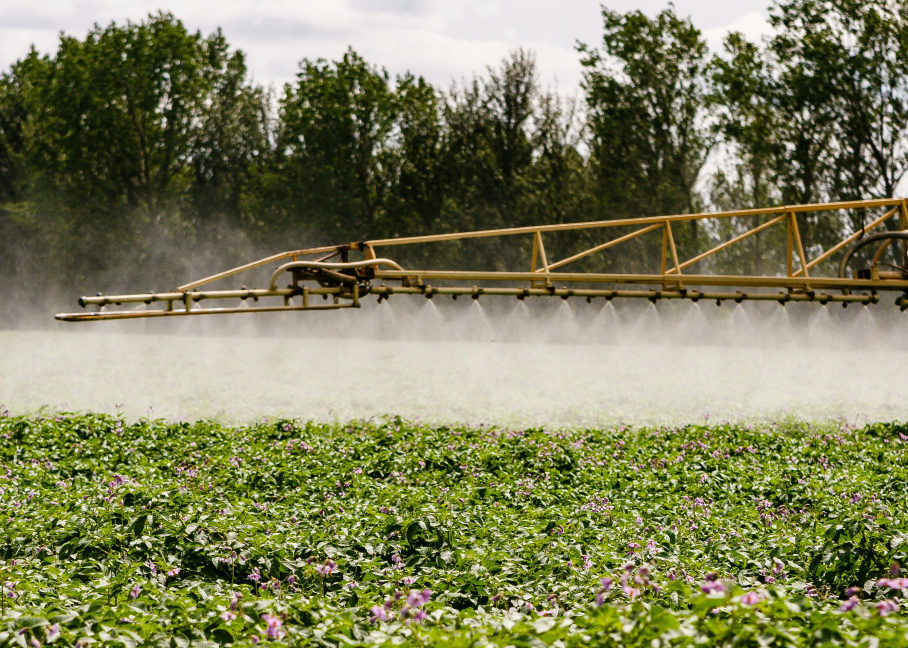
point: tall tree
(337, 121)
(118, 132)
(742, 94)
(489, 148)
(417, 191)
(122, 109)
(232, 142)
(510, 94)
(468, 163)
(858, 49)
(646, 99)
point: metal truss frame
(343, 283)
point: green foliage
(336, 123)
(118, 136)
(647, 116)
(818, 112)
(179, 534)
(847, 61)
(645, 92)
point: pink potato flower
(751, 598)
(274, 624)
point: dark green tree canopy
(647, 111)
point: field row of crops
(393, 532)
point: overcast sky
(442, 40)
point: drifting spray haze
(543, 361)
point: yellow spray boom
(343, 283)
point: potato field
(392, 532)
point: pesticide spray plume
(512, 363)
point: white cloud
(753, 25)
(443, 40)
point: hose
(328, 267)
(843, 266)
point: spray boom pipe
(383, 292)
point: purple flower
(151, 566)
(174, 571)
(254, 639)
(887, 606)
(136, 590)
(852, 591)
(632, 592)
(352, 585)
(378, 614)
(228, 616)
(893, 583)
(274, 626)
(712, 586)
(328, 568)
(255, 576)
(53, 632)
(751, 598)
(849, 605)
(418, 599)
(606, 584)
(600, 599)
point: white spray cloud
(497, 361)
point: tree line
(145, 150)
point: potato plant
(390, 532)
